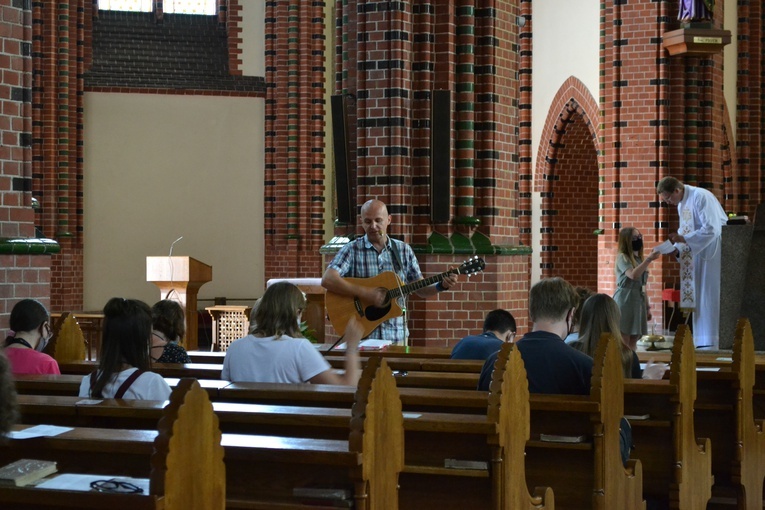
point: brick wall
(21, 276)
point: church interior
(244, 137)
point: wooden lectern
(180, 278)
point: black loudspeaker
(345, 208)
(440, 155)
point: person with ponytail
(30, 333)
(631, 278)
(123, 367)
(169, 326)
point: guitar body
(341, 308)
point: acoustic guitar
(341, 308)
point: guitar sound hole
(372, 313)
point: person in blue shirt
(498, 328)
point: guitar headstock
(472, 266)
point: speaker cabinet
(440, 155)
(345, 206)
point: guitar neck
(407, 289)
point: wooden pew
(409, 362)
(69, 384)
(597, 415)
(68, 342)
(404, 378)
(588, 474)
(496, 438)
(677, 467)
(724, 413)
(185, 463)
(267, 468)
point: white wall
(161, 166)
(566, 43)
(253, 37)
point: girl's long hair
(625, 246)
(600, 314)
(276, 313)
(126, 340)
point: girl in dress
(631, 276)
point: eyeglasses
(115, 486)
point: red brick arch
(567, 176)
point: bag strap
(396, 257)
(128, 382)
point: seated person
(168, 328)
(8, 406)
(583, 293)
(30, 324)
(600, 314)
(275, 351)
(498, 328)
(552, 367)
(125, 361)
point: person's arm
(333, 282)
(445, 284)
(636, 272)
(353, 332)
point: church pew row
(729, 391)
(183, 462)
(262, 470)
(675, 462)
(404, 378)
(602, 440)
(395, 362)
(497, 439)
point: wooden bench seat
(432, 437)
(677, 467)
(267, 467)
(185, 447)
(202, 371)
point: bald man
(370, 255)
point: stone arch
(567, 176)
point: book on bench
(553, 438)
(324, 496)
(25, 471)
(465, 464)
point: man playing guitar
(369, 256)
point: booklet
(665, 248)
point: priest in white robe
(699, 250)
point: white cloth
(286, 360)
(702, 218)
(148, 386)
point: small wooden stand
(180, 278)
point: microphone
(172, 245)
(170, 261)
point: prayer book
(552, 438)
(465, 464)
(26, 471)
